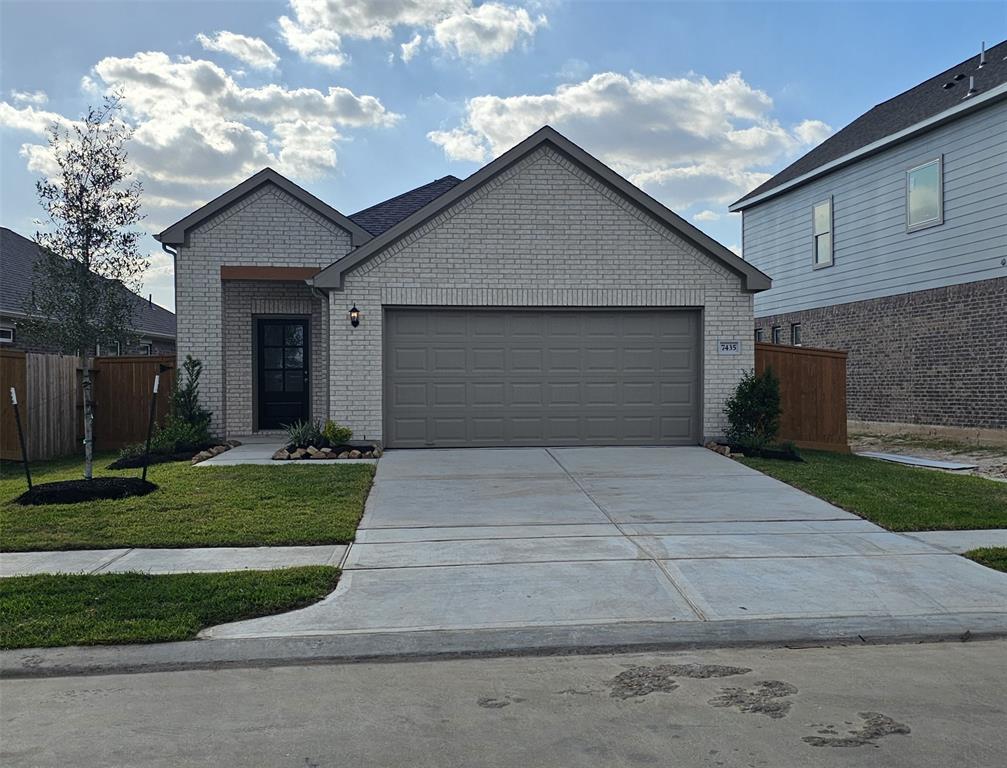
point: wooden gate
(812, 394)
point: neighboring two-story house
(889, 240)
(153, 325)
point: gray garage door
(552, 377)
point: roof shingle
(387, 214)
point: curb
(524, 641)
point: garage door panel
(549, 377)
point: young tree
(89, 259)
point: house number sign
(729, 347)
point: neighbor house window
(146, 348)
(759, 334)
(925, 195)
(109, 349)
(795, 334)
(776, 334)
(6, 335)
(822, 233)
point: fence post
(20, 435)
(150, 425)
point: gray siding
(874, 255)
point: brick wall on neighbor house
(24, 342)
(267, 228)
(244, 302)
(934, 357)
(542, 233)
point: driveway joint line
(647, 555)
(111, 561)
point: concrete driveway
(532, 538)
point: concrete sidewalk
(541, 539)
(203, 560)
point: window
(822, 233)
(925, 195)
(795, 334)
(6, 334)
(146, 348)
(758, 334)
(109, 349)
(776, 334)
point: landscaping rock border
(216, 450)
(333, 453)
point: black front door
(283, 372)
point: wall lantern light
(354, 316)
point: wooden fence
(49, 394)
(812, 394)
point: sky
(360, 100)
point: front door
(283, 372)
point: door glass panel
(272, 357)
(273, 335)
(274, 381)
(294, 357)
(294, 381)
(294, 335)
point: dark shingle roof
(386, 215)
(17, 258)
(919, 103)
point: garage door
(552, 377)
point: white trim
(924, 125)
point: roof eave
(929, 124)
(332, 277)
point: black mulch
(136, 462)
(74, 491)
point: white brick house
(543, 300)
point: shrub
(304, 433)
(753, 411)
(185, 405)
(336, 434)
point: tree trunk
(88, 421)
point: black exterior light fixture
(354, 316)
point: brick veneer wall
(267, 228)
(930, 357)
(542, 233)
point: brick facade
(24, 342)
(542, 233)
(936, 357)
(266, 228)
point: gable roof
(931, 103)
(178, 232)
(17, 261)
(332, 276)
(385, 215)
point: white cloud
(250, 50)
(457, 28)
(707, 215)
(38, 98)
(689, 141)
(410, 49)
(197, 131)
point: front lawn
(991, 557)
(114, 608)
(897, 497)
(241, 506)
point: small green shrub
(304, 433)
(336, 434)
(185, 404)
(753, 411)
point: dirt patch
(768, 698)
(990, 460)
(642, 681)
(76, 491)
(875, 727)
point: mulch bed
(136, 462)
(75, 491)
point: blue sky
(358, 101)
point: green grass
(991, 557)
(897, 497)
(115, 608)
(241, 506)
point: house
(153, 326)
(544, 300)
(889, 240)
